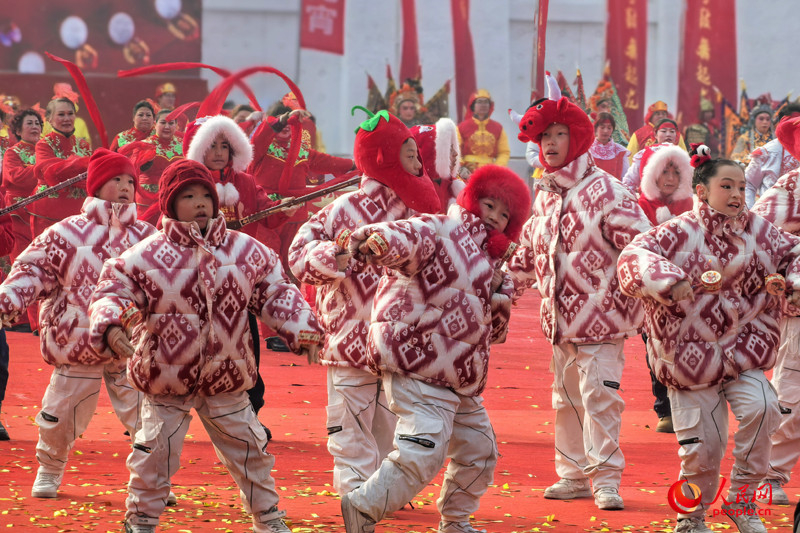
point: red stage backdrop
(626, 54)
(99, 36)
(322, 25)
(465, 56)
(537, 72)
(709, 55)
(409, 61)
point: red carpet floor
(518, 398)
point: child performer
(221, 145)
(666, 192)
(441, 155)
(434, 318)
(184, 295)
(61, 268)
(713, 329)
(582, 218)
(779, 205)
(360, 426)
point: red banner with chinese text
(466, 83)
(409, 60)
(537, 72)
(322, 25)
(626, 54)
(708, 57)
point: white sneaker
(691, 525)
(273, 524)
(458, 527)
(568, 489)
(46, 484)
(172, 499)
(608, 499)
(354, 520)
(777, 495)
(139, 528)
(745, 516)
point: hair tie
(702, 154)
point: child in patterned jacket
(708, 279)
(582, 219)
(183, 295)
(393, 187)
(60, 268)
(442, 303)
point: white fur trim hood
(447, 138)
(210, 129)
(655, 166)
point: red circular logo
(679, 502)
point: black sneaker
(276, 344)
(20, 328)
(3, 432)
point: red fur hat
(543, 113)
(180, 174)
(498, 182)
(377, 155)
(435, 143)
(788, 134)
(105, 165)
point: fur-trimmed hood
(654, 165)
(207, 131)
(435, 143)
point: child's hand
(256, 116)
(682, 291)
(497, 280)
(289, 211)
(118, 342)
(311, 351)
(342, 260)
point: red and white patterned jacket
(780, 204)
(767, 164)
(698, 344)
(184, 298)
(344, 299)
(434, 316)
(582, 219)
(62, 266)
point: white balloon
(121, 28)
(74, 32)
(31, 63)
(168, 9)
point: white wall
(241, 33)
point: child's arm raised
(402, 245)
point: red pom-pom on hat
(105, 165)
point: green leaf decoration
(374, 118)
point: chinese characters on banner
(708, 58)
(322, 25)
(626, 54)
